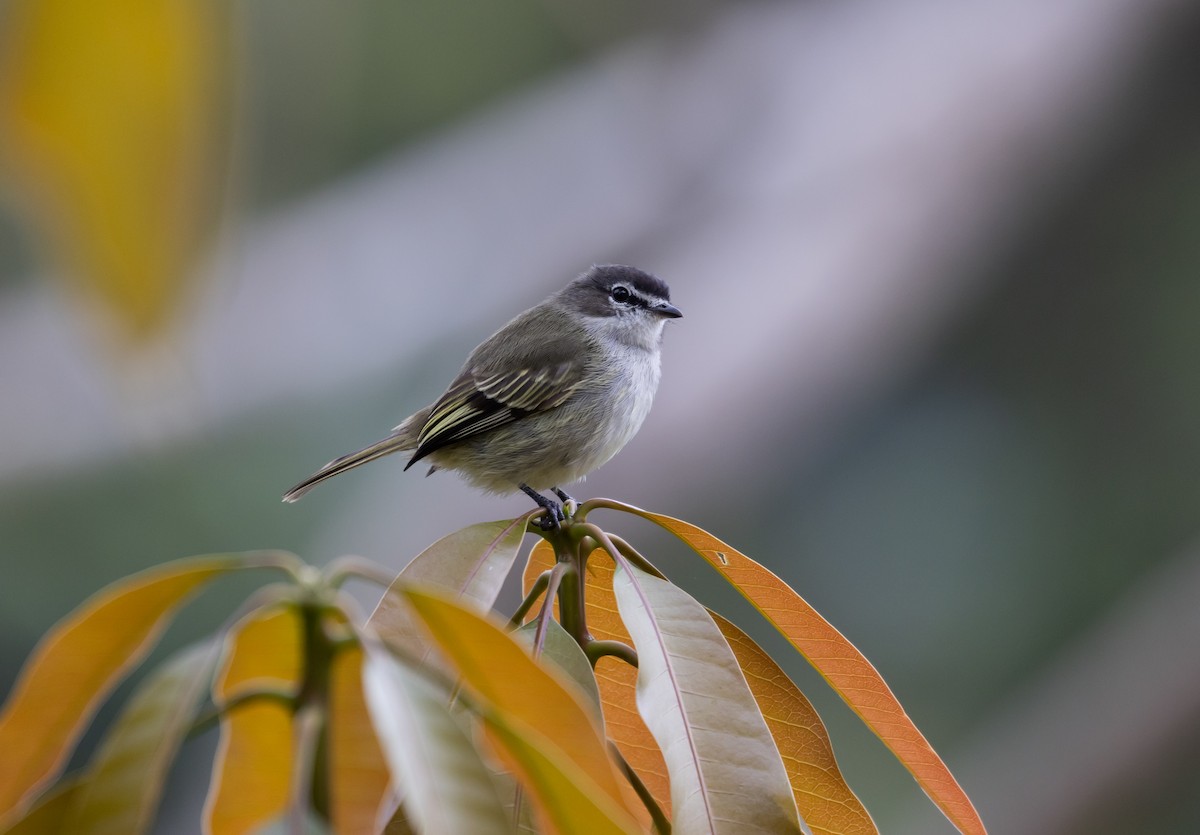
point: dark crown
(605, 276)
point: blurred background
(938, 367)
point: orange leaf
(358, 773)
(837, 660)
(77, 664)
(617, 680)
(825, 801)
(497, 668)
(110, 113)
(252, 771)
(566, 799)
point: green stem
(213, 715)
(354, 567)
(284, 561)
(587, 545)
(313, 696)
(608, 504)
(318, 654)
(571, 612)
(547, 612)
(308, 771)
(596, 650)
(607, 544)
(571, 603)
(634, 557)
(539, 586)
(661, 824)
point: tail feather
(396, 442)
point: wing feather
(477, 403)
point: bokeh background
(939, 369)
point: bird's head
(626, 303)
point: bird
(545, 400)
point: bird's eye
(620, 293)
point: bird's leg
(568, 503)
(554, 513)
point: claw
(554, 513)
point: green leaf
(79, 661)
(125, 778)
(561, 649)
(471, 563)
(447, 786)
(726, 773)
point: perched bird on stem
(546, 399)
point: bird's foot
(551, 519)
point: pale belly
(558, 447)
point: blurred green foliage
(357, 79)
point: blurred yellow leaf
(111, 120)
(48, 815)
(252, 772)
(616, 679)
(120, 792)
(79, 661)
(358, 773)
(825, 801)
(845, 668)
(264, 651)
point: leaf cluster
(609, 701)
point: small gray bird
(546, 399)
